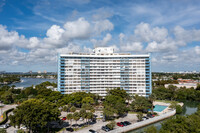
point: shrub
(111, 125)
(178, 109)
(21, 131)
(3, 131)
(155, 113)
(139, 116)
(151, 129)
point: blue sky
(33, 32)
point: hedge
(5, 117)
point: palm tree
(152, 98)
(89, 116)
(76, 117)
(70, 117)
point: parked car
(64, 118)
(101, 116)
(139, 120)
(105, 128)
(70, 129)
(23, 127)
(119, 124)
(127, 122)
(150, 115)
(124, 124)
(145, 117)
(4, 126)
(92, 131)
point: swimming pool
(159, 108)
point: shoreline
(143, 123)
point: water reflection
(27, 82)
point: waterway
(27, 82)
(188, 109)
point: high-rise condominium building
(103, 69)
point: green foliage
(65, 108)
(198, 108)
(44, 85)
(118, 92)
(182, 124)
(76, 116)
(86, 106)
(140, 104)
(198, 87)
(151, 129)
(176, 75)
(72, 109)
(88, 100)
(29, 91)
(173, 105)
(69, 117)
(163, 82)
(181, 94)
(21, 131)
(115, 102)
(114, 105)
(9, 95)
(162, 93)
(9, 79)
(111, 124)
(139, 116)
(89, 115)
(179, 109)
(35, 114)
(83, 113)
(152, 98)
(3, 131)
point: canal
(188, 109)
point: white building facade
(102, 70)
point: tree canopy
(115, 102)
(141, 104)
(35, 114)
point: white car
(81, 119)
(4, 126)
(23, 127)
(101, 116)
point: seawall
(143, 123)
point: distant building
(21, 88)
(187, 85)
(102, 70)
(30, 71)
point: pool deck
(166, 110)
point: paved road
(6, 107)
